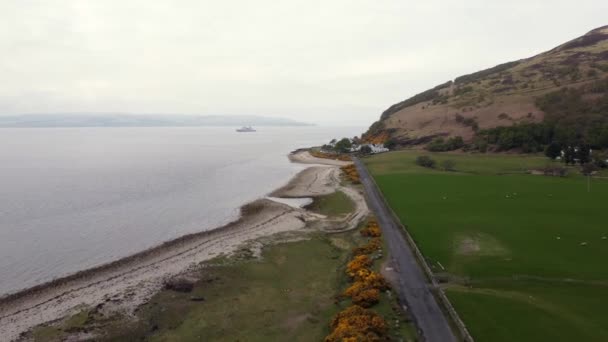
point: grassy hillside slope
(508, 94)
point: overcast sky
(330, 61)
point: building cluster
(375, 148)
(354, 145)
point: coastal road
(413, 286)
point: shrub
(437, 145)
(469, 122)
(371, 229)
(592, 73)
(374, 280)
(365, 149)
(390, 144)
(599, 159)
(357, 264)
(364, 297)
(462, 90)
(179, 285)
(484, 73)
(351, 173)
(441, 145)
(553, 150)
(357, 324)
(425, 161)
(325, 155)
(365, 291)
(370, 247)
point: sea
(76, 198)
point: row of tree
(345, 145)
(572, 155)
(573, 117)
(442, 145)
(534, 137)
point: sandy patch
(468, 246)
(303, 157)
(295, 202)
(313, 181)
(479, 245)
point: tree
(344, 145)
(569, 155)
(583, 154)
(440, 145)
(365, 149)
(448, 165)
(425, 161)
(455, 143)
(390, 144)
(599, 159)
(437, 145)
(553, 150)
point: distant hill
(560, 95)
(140, 120)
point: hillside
(560, 94)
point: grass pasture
(527, 254)
(334, 204)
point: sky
(328, 62)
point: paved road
(413, 286)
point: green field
(526, 255)
(334, 204)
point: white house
(376, 148)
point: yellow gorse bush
(351, 173)
(357, 324)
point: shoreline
(129, 282)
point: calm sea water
(74, 198)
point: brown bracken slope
(500, 96)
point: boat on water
(246, 129)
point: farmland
(522, 257)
